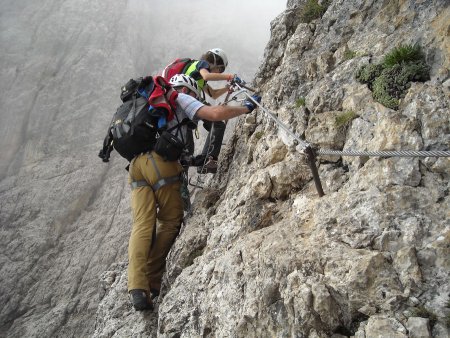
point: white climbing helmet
(220, 53)
(181, 80)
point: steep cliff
(263, 255)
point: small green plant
(390, 79)
(349, 54)
(414, 71)
(393, 82)
(258, 135)
(403, 54)
(345, 118)
(368, 73)
(312, 10)
(300, 102)
(384, 90)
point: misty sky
(188, 28)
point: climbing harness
(162, 181)
(306, 148)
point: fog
(85, 47)
(189, 28)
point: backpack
(178, 66)
(181, 66)
(136, 125)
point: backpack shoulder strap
(189, 62)
(184, 122)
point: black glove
(250, 104)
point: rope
(387, 153)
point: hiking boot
(140, 300)
(209, 167)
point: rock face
(263, 255)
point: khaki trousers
(147, 254)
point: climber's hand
(236, 80)
(250, 103)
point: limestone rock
(418, 327)
(261, 255)
(379, 327)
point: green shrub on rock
(384, 91)
(300, 102)
(312, 10)
(403, 54)
(345, 118)
(368, 73)
(390, 79)
(415, 72)
(350, 54)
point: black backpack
(134, 127)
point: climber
(210, 67)
(156, 195)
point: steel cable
(385, 153)
(303, 145)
